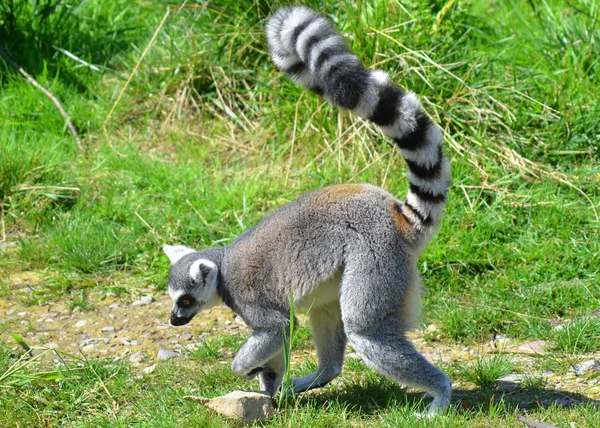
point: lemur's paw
(244, 373)
(306, 383)
(254, 372)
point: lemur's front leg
(262, 353)
(270, 378)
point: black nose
(175, 320)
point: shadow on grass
(369, 399)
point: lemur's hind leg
(375, 312)
(395, 357)
(330, 341)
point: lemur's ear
(176, 252)
(204, 270)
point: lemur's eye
(186, 301)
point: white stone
(150, 369)
(511, 382)
(144, 301)
(80, 323)
(165, 354)
(138, 357)
(587, 366)
(534, 347)
(244, 407)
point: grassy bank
(191, 136)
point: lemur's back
(309, 241)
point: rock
(107, 328)
(511, 382)
(535, 347)
(123, 341)
(144, 301)
(114, 306)
(502, 339)
(150, 369)
(186, 336)
(138, 357)
(165, 354)
(91, 340)
(587, 366)
(51, 345)
(80, 323)
(244, 407)
(431, 328)
(547, 373)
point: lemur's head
(192, 283)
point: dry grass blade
(137, 65)
(49, 94)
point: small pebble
(144, 301)
(165, 354)
(138, 357)
(80, 323)
(150, 369)
(587, 366)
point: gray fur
(348, 253)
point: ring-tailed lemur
(347, 252)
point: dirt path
(139, 331)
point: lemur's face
(192, 283)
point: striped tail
(306, 46)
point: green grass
(485, 372)
(208, 138)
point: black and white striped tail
(306, 45)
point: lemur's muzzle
(175, 320)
